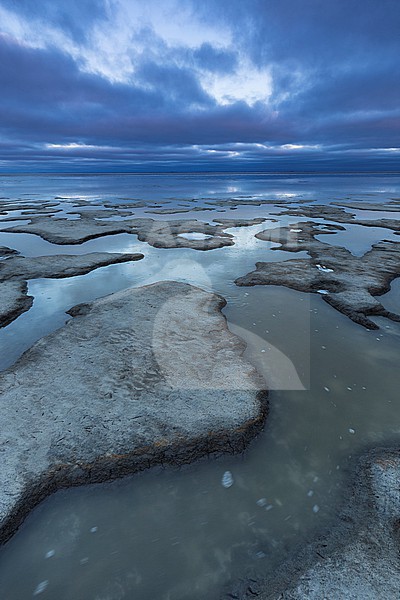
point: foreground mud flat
(146, 376)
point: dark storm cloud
(345, 49)
(313, 32)
(44, 92)
(55, 101)
(334, 100)
(358, 89)
(178, 85)
(214, 59)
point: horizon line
(19, 173)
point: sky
(198, 85)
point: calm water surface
(174, 534)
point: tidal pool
(174, 534)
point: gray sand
(347, 282)
(160, 234)
(146, 376)
(339, 215)
(60, 265)
(393, 206)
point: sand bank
(146, 376)
(347, 282)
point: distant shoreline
(215, 173)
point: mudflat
(145, 376)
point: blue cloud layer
(94, 86)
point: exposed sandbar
(392, 206)
(348, 283)
(146, 376)
(160, 234)
(339, 215)
(60, 265)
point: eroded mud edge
(21, 306)
(109, 468)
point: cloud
(54, 99)
(236, 83)
(175, 84)
(76, 17)
(310, 32)
(213, 59)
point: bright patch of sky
(300, 146)
(76, 146)
(240, 147)
(148, 31)
(172, 21)
(247, 83)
